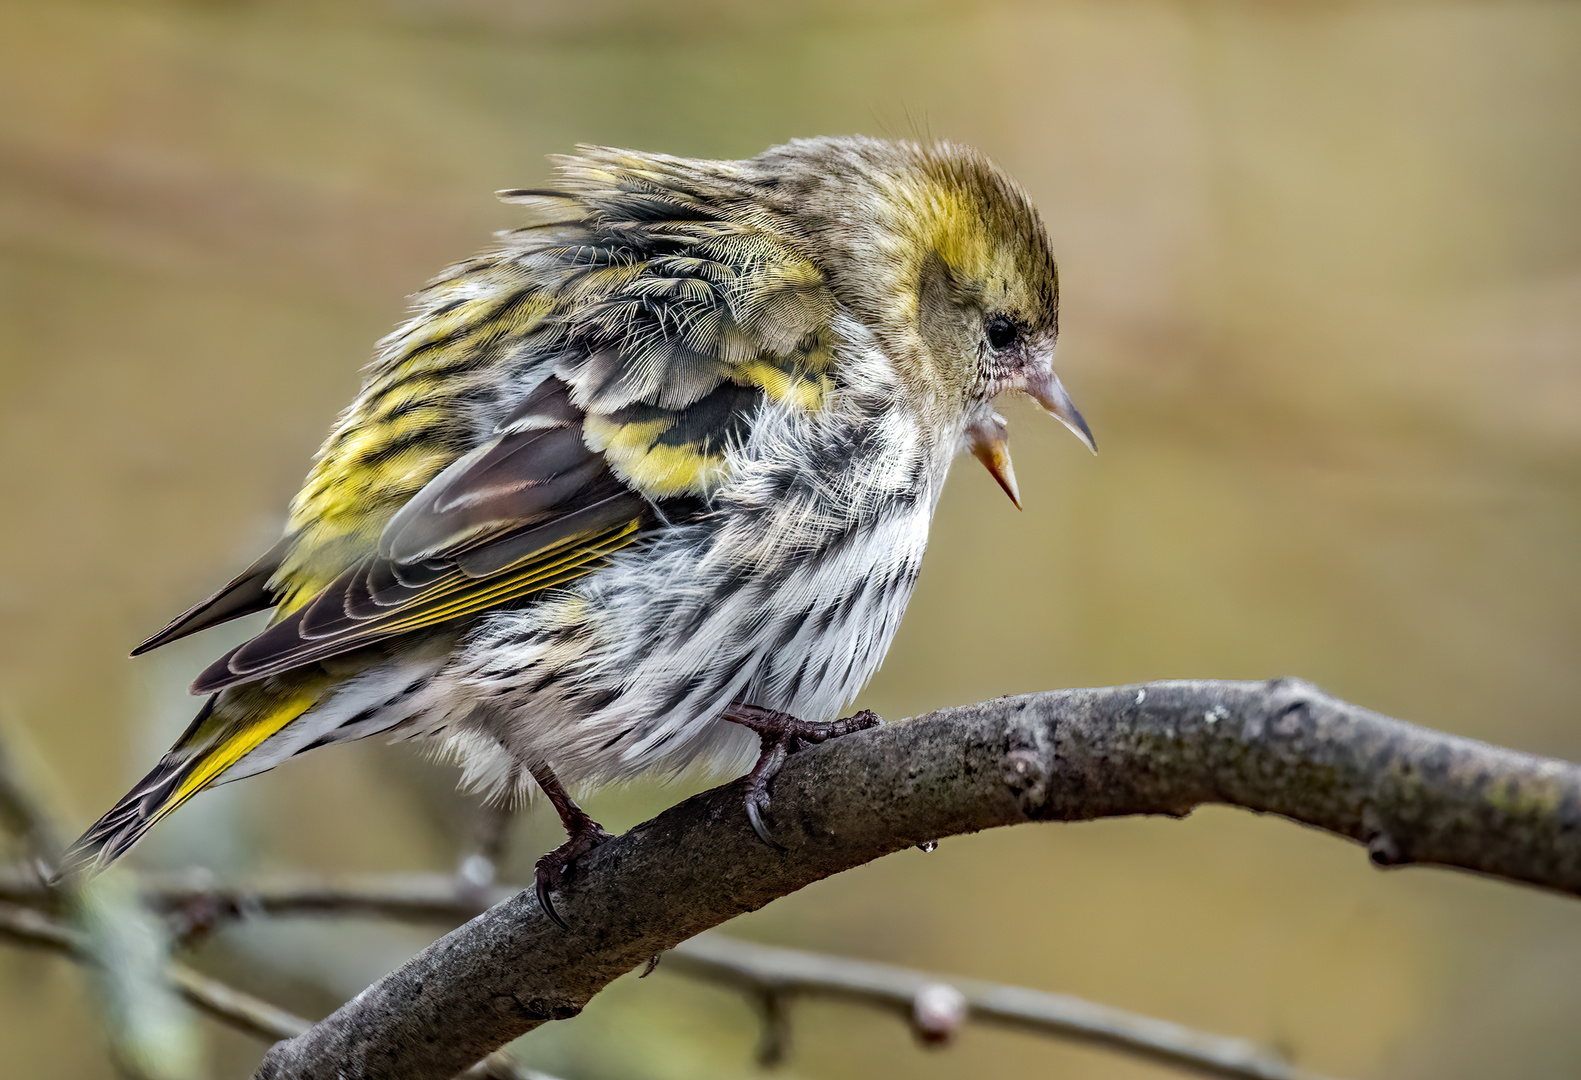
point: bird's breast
(787, 594)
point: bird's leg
(782, 735)
(583, 834)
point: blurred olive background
(1322, 274)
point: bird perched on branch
(647, 484)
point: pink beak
(989, 438)
(1045, 389)
(990, 443)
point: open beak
(1045, 389)
(989, 439)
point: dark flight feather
(245, 594)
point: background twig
(240, 1010)
(768, 975)
(225, 1003)
(151, 1034)
(776, 973)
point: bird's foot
(585, 835)
(782, 735)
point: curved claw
(782, 735)
(755, 817)
(541, 887)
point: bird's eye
(1002, 331)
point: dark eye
(1002, 331)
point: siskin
(646, 484)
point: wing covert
(532, 508)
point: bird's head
(945, 259)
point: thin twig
(227, 1004)
(441, 898)
(763, 972)
(22, 926)
(151, 1035)
(501, 1066)
(775, 973)
(416, 898)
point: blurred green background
(1322, 306)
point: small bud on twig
(937, 1013)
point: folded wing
(659, 311)
(532, 508)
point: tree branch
(767, 971)
(224, 1003)
(1410, 794)
(767, 974)
(415, 898)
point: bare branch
(767, 975)
(235, 1007)
(501, 1066)
(440, 898)
(23, 927)
(775, 973)
(224, 1003)
(195, 901)
(1284, 747)
(151, 1034)
(416, 898)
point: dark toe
(861, 721)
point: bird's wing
(245, 594)
(531, 508)
(669, 321)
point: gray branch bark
(782, 974)
(1409, 794)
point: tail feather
(215, 741)
(154, 796)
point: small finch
(645, 485)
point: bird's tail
(229, 727)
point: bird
(644, 486)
